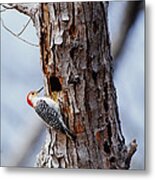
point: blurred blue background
(22, 134)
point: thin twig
(24, 27)
(16, 35)
(8, 7)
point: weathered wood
(77, 66)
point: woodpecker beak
(39, 90)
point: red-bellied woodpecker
(49, 111)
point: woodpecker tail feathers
(69, 133)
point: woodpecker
(49, 112)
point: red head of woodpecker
(32, 97)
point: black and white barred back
(52, 118)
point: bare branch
(16, 35)
(28, 9)
(28, 22)
(7, 7)
(131, 150)
(21, 8)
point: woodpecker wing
(49, 115)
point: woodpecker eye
(33, 93)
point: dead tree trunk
(77, 69)
(77, 66)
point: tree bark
(77, 69)
(77, 66)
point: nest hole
(55, 84)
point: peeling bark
(77, 68)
